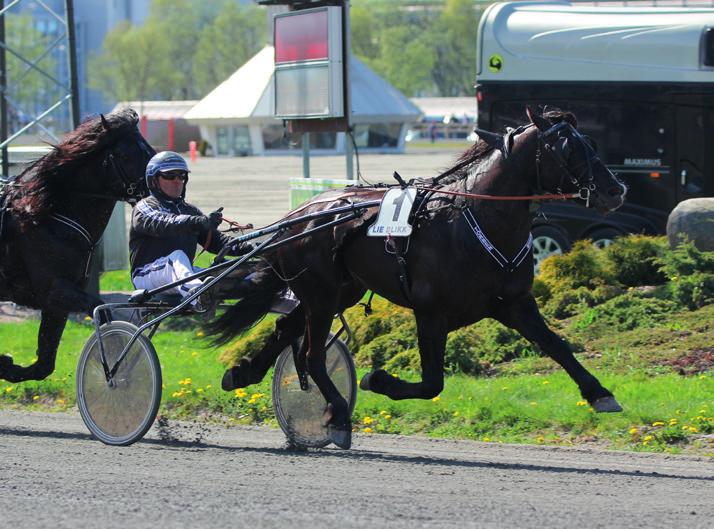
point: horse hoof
(5, 361)
(228, 382)
(342, 437)
(606, 405)
(364, 383)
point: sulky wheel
(300, 413)
(121, 411)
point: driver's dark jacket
(160, 226)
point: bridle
(581, 175)
(115, 171)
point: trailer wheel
(548, 241)
(604, 237)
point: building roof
(248, 96)
(443, 107)
(558, 41)
(158, 110)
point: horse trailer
(640, 81)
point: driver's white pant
(166, 270)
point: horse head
(126, 157)
(567, 162)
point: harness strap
(76, 226)
(392, 247)
(509, 265)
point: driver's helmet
(163, 162)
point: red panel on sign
(301, 37)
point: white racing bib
(393, 216)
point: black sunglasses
(174, 175)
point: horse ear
(492, 140)
(105, 123)
(539, 121)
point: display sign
(308, 64)
(394, 211)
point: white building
(236, 118)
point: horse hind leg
(249, 371)
(432, 332)
(337, 416)
(51, 328)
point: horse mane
(478, 150)
(31, 199)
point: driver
(165, 230)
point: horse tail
(258, 299)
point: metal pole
(4, 129)
(72, 59)
(346, 54)
(306, 155)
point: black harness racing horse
(468, 258)
(51, 218)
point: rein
(558, 196)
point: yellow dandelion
(633, 430)
(209, 386)
(87, 318)
(367, 420)
(176, 394)
(436, 399)
(645, 443)
(60, 402)
(546, 382)
(456, 413)
(581, 403)
(533, 403)
(504, 388)
(685, 428)
(658, 423)
(240, 393)
(693, 429)
(540, 439)
(486, 439)
(194, 354)
(383, 412)
(256, 396)
(672, 422)
(9, 389)
(647, 438)
(368, 430)
(36, 397)
(702, 377)
(199, 390)
(200, 334)
(387, 417)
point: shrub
(626, 312)
(634, 259)
(584, 266)
(684, 260)
(248, 344)
(565, 303)
(693, 291)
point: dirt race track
(53, 475)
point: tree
(234, 36)
(25, 86)
(454, 37)
(134, 64)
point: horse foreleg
(337, 416)
(524, 316)
(249, 371)
(431, 331)
(51, 328)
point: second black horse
(468, 259)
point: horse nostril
(615, 191)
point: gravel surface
(54, 475)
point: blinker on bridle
(584, 181)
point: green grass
(533, 401)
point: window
(222, 139)
(377, 135)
